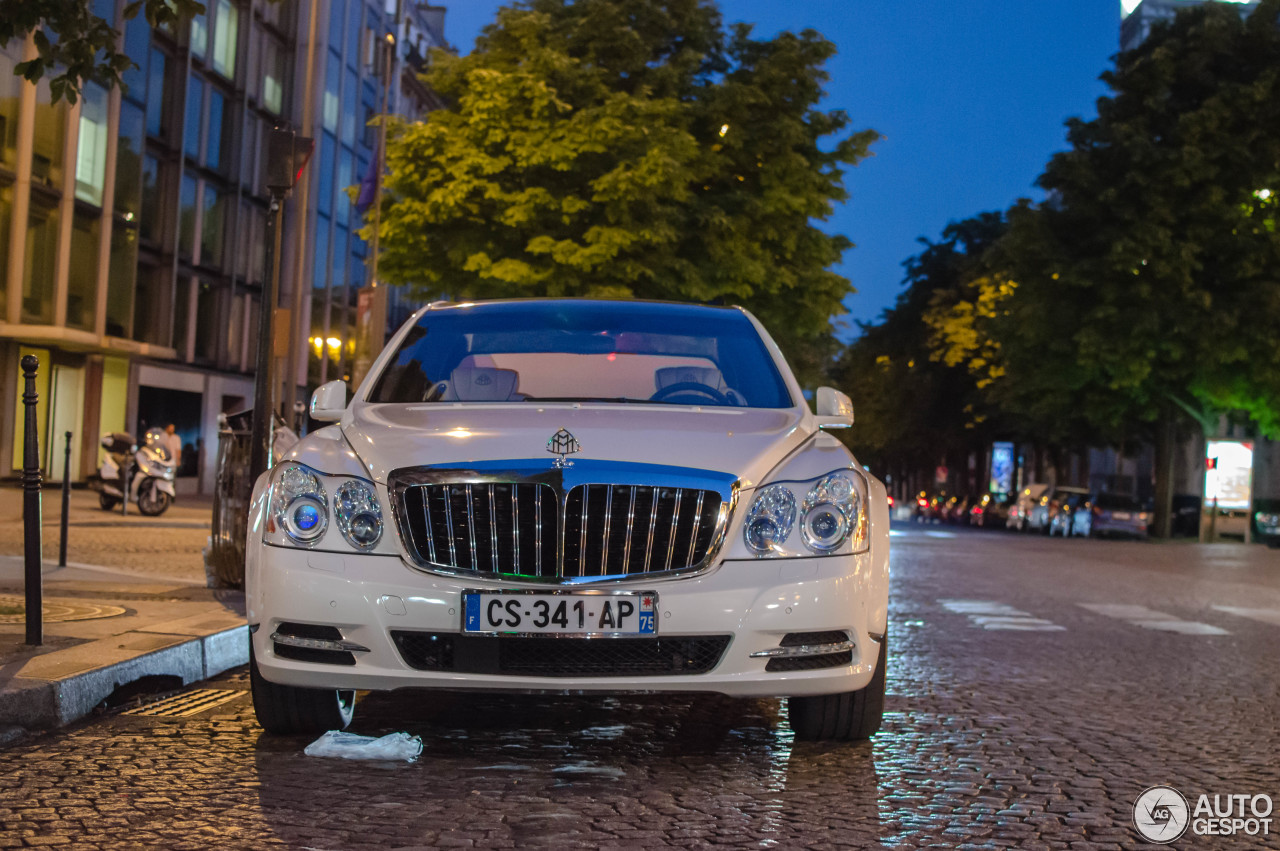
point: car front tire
(849, 716)
(286, 710)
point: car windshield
(578, 351)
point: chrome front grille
(543, 525)
(613, 530)
(500, 527)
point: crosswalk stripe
(1271, 616)
(989, 614)
(1151, 619)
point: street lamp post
(287, 156)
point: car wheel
(285, 710)
(842, 717)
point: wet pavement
(1036, 688)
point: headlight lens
(830, 512)
(769, 522)
(300, 505)
(359, 517)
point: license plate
(1120, 515)
(541, 613)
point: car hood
(746, 442)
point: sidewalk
(143, 614)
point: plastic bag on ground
(353, 746)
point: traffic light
(1211, 463)
(287, 155)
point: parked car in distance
(1064, 501)
(1110, 514)
(1025, 505)
(956, 511)
(1266, 521)
(990, 511)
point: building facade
(132, 255)
(1139, 16)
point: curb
(55, 693)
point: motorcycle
(148, 469)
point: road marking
(1151, 619)
(940, 534)
(1271, 616)
(989, 614)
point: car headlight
(769, 521)
(359, 517)
(299, 504)
(831, 516)
(300, 509)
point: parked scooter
(148, 469)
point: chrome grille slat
(697, 521)
(608, 518)
(598, 530)
(653, 522)
(675, 523)
(493, 527)
(471, 529)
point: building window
(150, 305)
(82, 276)
(191, 126)
(327, 151)
(128, 194)
(91, 155)
(346, 163)
(156, 94)
(337, 15)
(320, 264)
(50, 135)
(150, 206)
(214, 135)
(226, 35)
(137, 40)
(211, 228)
(208, 304)
(10, 98)
(199, 35)
(187, 216)
(333, 79)
(349, 107)
(182, 316)
(272, 76)
(6, 216)
(121, 273)
(40, 262)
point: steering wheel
(690, 387)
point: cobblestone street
(1036, 687)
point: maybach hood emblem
(564, 444)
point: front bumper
(755, 603)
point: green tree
(73, 44)
(627, 148)
(1146, 287)
(917, 409)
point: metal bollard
(66, 502)
(31, 504)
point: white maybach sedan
(572, 496)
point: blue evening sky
(969, 95)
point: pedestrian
(173, 443)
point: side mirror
(835, 409)
(329, 402)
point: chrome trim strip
(493, 527)
(697, 521)
(675, 523)
(471, 530)
(582, 544)
(803, 650)
(426, 517)
(537, 525)
(608, 516)
(631, 519)
(448, 520)
(317, 643)
(653, 522)
(515, 524)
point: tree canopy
(627, 148)
(73, 44)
